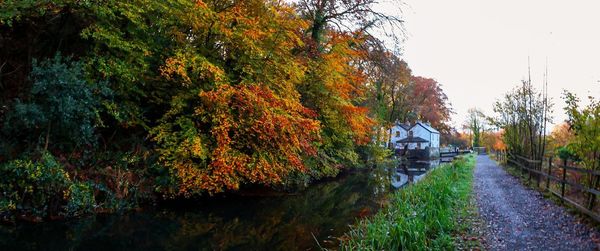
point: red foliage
(430, 102)
(258, 137)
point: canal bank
(310, 219)
(421, 217)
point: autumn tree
(387, 88)
(584, 122)
(427, 101)
(492, 140)
(523, 115)
(337, 43)
(585, 146)
(203, 96)
(237, 119)
(455, 138)
(476, 125)
(561, 136)
(343, 16)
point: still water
(315, 217)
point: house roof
(412, 140)
(426, 126)
(403, 126)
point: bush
(61, 106)
(566, 153)
(32, 187)
(81, 199)
(42, 188)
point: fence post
(564, 179)
(540, 169)
(549, 173)
(528, 166)
(592, 199)
(522, 167)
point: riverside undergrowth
(420, 217)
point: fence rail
(555, 174)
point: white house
(424, 131)
(398, 132)
(419, 136)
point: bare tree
(351, 16)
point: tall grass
(419, 217)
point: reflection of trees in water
(286, 222)
(325, 210)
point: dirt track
(519, 218)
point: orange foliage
(359, 123)
(561, 135)
(345, 84)
(258, 138)
(493, 140)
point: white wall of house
(420, 130)
(435, 140)
(398, 133)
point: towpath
(518, 218)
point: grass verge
(423, 216)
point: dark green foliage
(81, 198)
(62, 108)
(33, 187)
(43, 188)
(566, 153)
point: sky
(478, 49)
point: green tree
(585, 147)
(523, 115)
(476, 125)
(62, 107)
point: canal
(313, 218)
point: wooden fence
(573, 185)
(450, 155)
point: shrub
(81, 199)
(61, 106)
(30, 186)
(41, 188)
(566, 153)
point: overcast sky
(478, 49)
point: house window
(397, 133)
(419, 145)
(410, 134)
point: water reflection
(410, 172)
(292, 222)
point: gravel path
(519, 218)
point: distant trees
(428, 102)
(523, 114)
(475, 124)
(456, 139)
(397, 95)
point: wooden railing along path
(450, 155)
(553, 176)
